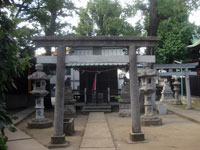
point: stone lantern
(176, 84)
(147, 88)
(39, 91)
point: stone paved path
(97, 135)
(20, 140)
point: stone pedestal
(58, 141)
(124, 102)
(167, 94)
(39, 123)
(147, 88)
(68, 126)
(137, 137)
(176, 100)
(69, 102)
(69, 109)
(151, 121)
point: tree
(158, 11)
(46, 17)
(104, 17)
(175, 34)
(13, 62)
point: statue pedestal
(124, 102)
(68, 126)
(151, 121)
(39, 123)
(69, 103)
(124, 108)
(135, 137)
(69, 108)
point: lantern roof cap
(39, 75)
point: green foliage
(169, 20)
(85, 26)
(175, 34)
(104, 17)
(3, 141)
(117, 97)
(13, 62)
(46, 15)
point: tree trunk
(49, 32)
(154, 21)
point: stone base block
(68, 126)
(40, 123)
(151, 121)
(166, 100)
(124, 112)
(69, 111)
(135, 137)
(189, 107)
(50, 145)
(58, 139)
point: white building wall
(75, 81)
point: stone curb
(183, 116)
(23, 115)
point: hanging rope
(98, 71)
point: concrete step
(96, 108)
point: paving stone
(28, 144)
(97, 134)
(99, 129)
(18, 135)
(97, 143)
(97, 148)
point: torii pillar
(136, 134)
(58, 139)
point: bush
(3, 141)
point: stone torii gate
(185, 72)
(132, 43)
